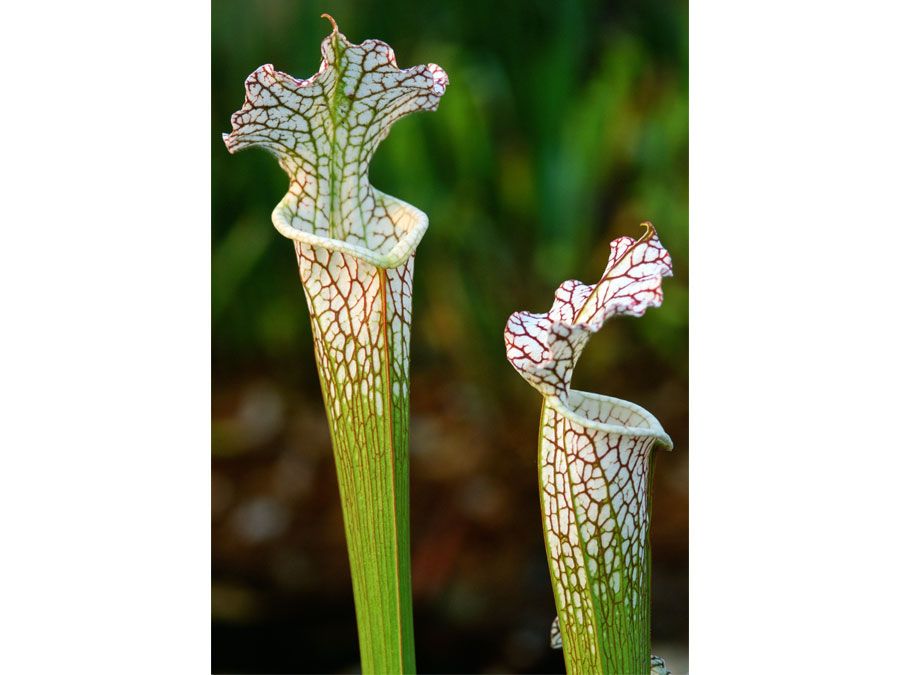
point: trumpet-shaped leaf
(595, 458)
(355, 249)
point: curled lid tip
(331, 20)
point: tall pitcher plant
(595, 459)
(355, 248)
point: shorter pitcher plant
(595, 460)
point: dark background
(564, 126)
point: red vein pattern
(544, 348)
(324, 131)
(595, 476)
(355, 249)
(595, 458)
(361, 317)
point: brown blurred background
(564, 126)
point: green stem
(360, 316)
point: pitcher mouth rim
(401, 251)
(653, 430)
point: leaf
(544, 348)
(361, 317)
(658, 666)
(324, 131)
(555, 635)
(595, 456)
(355, 251)
(595, 469)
